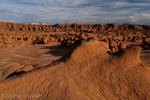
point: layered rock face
(7, 26)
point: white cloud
(146, 15)
(116, 18)
(9, 10)
(119, 4)
(143, 18)
(67, 2)
(32, 1)
(132, 20)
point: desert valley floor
(74, 62)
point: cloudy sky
(76, 11)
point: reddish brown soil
(75, 61)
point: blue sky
(76, 11)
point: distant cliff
(33, 27)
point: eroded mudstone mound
(87, 50)
(90, 73)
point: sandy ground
(23, 56)
(145, 57)
(88, 73)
